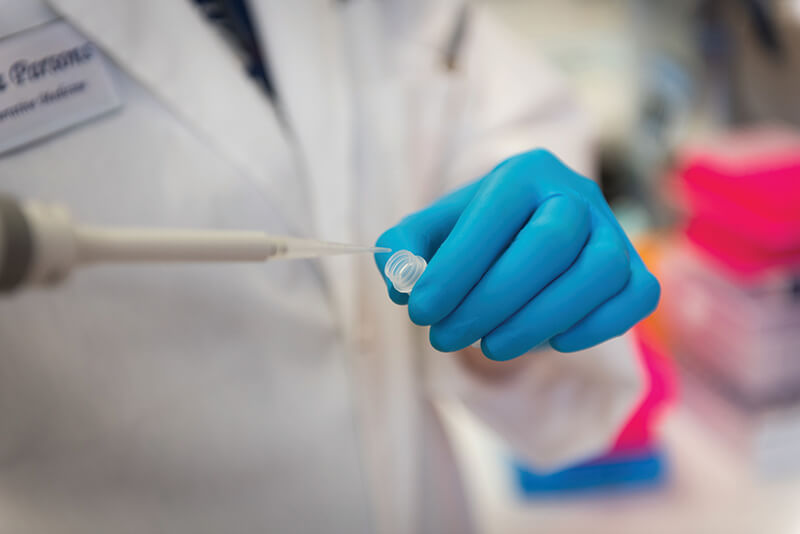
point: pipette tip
(297, 248)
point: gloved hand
(528, 254)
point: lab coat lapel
(170, 49)
(304, 44)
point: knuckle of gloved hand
(541, 161)
(575, 209)
(559, 232)
(589, 189)
(510, 160)
(650, 291)
(537, 155)
(614, 264)
(541, 156)
(528, 167)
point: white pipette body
(137, 245)
(56, 245)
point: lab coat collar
(170, 49)
(305, 43)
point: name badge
(51, 78)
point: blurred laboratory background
(696, 114)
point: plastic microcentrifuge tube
(404, 269)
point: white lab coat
(290, 397)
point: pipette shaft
(139, 245)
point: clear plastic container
(403, 269)
(745, 336)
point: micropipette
(40, 244)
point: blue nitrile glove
(530, 253)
